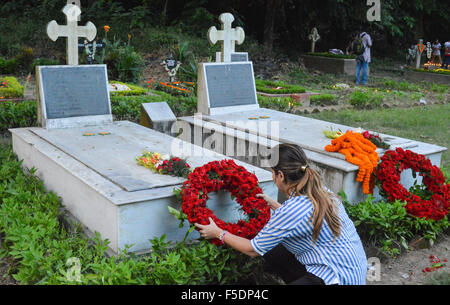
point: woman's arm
(236, 242)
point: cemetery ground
(387, 105)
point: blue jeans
(364, 65)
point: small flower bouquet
(164, 165)
(375, 139)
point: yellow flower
(107, 27)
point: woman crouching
(309, 240)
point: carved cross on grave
(314, 37)
(228, 35)
(72, 31)
(77, 3)
(420, 48)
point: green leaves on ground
(388, 226)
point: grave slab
(101, 184)
(427, 76)
(307, 133)
(330, 65)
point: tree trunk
(272, 7)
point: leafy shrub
(42, 62)
(284, 104)
(40, 246)
(124, 64)
(327, 99)
(362, 99)
(134, 90)
(12, 88)
(8, 66)
(15, 115)
(129, 107)
(25, 58)
(267, 86)
(389, 226)
(326, 54)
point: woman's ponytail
(306, 181)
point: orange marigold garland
(359, 151)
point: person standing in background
(436, 51)
(446, 62)
(362, 47)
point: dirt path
(407, 268)
(6, 279)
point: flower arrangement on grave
(434, 199)
(164, 165)
(361, 152)
(375, 139)
(212, 177)
(243, 186)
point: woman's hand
(270, 202)
(209, 231)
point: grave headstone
(71, 96)
(226, 87)
(314, 37)
(429, 50)
(157, 116)
(228, 35)
(72, 31)
(235, 56)
(420, 48)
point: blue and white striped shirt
(339, 261)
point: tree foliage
(281, 24)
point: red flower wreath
(225, 175)
(389, 170)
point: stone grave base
(331, 65)
(103, 187)
(427, 77)
(238, 131)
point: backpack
(358, 45)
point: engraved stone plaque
(69, 92)
(230, 85)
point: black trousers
(285, 265)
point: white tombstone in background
(72, 31)
(228, 35)
(314, 37)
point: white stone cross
(77, 3)
(314, 37)
(72, 31)
(229, 36)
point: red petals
(389, 170)
(243, 185)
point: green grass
(426, 124)
(268, 86)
